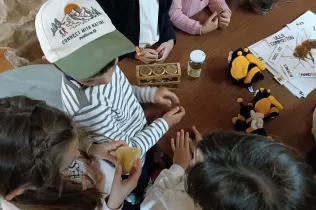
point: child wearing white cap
(79, 38)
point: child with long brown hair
(41, 168)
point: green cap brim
(90, 59)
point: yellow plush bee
(266, 104)
(244, 67)
(248, 120)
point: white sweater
(168, 192)
(113, 111)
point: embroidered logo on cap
(74, 17)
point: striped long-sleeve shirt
(113, 111)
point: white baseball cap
(79, 37)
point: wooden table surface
(210, 101)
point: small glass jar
(196, 62)
(171, 69)
(159, 70)
(145, 71)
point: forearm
(184, 23)
(112, 204)
(144, 94)
(218, 6)
(149, 136)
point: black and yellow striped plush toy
(266, 103)
(244, 67)
(248, 120)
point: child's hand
(164, 50)
(122, 188)
(198, 136)
(224, 19)
(181, 150)
(149, 56)
(210, 24)
(174, 116)
(164, 96)
(102, 151)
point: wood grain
(210, 101)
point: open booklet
(290, 55)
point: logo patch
(74, 17)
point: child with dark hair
(41, 167)
(145, 23)
(233, 171)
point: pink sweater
(181, 11)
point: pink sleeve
(218, 6)
(8, 206)
(182, 21)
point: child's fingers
(173, 111)
(151, 56)
(224, 20)
(223, 25)
(198, 136)
(224, 14)
(116, 144)
(162, 59)
(182, 138)
(187, 140)
(111, 158)
(152, 52)
(192, 147)
(178, 140)
(161, 47)
(137, 168)
(173, 147)
(134, 174)
(181, 113)
(118, 173)
(214, 15)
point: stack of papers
(289, 57)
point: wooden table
(210, 101)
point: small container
(145, 71)
(159, 70)
(196, 62)
(171, 69)
(262, 7)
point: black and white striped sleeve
(145, 94)
(100, 120)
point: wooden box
(164, 74)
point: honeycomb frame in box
(164, 74)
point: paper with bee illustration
(290, 54)
(299, 54)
